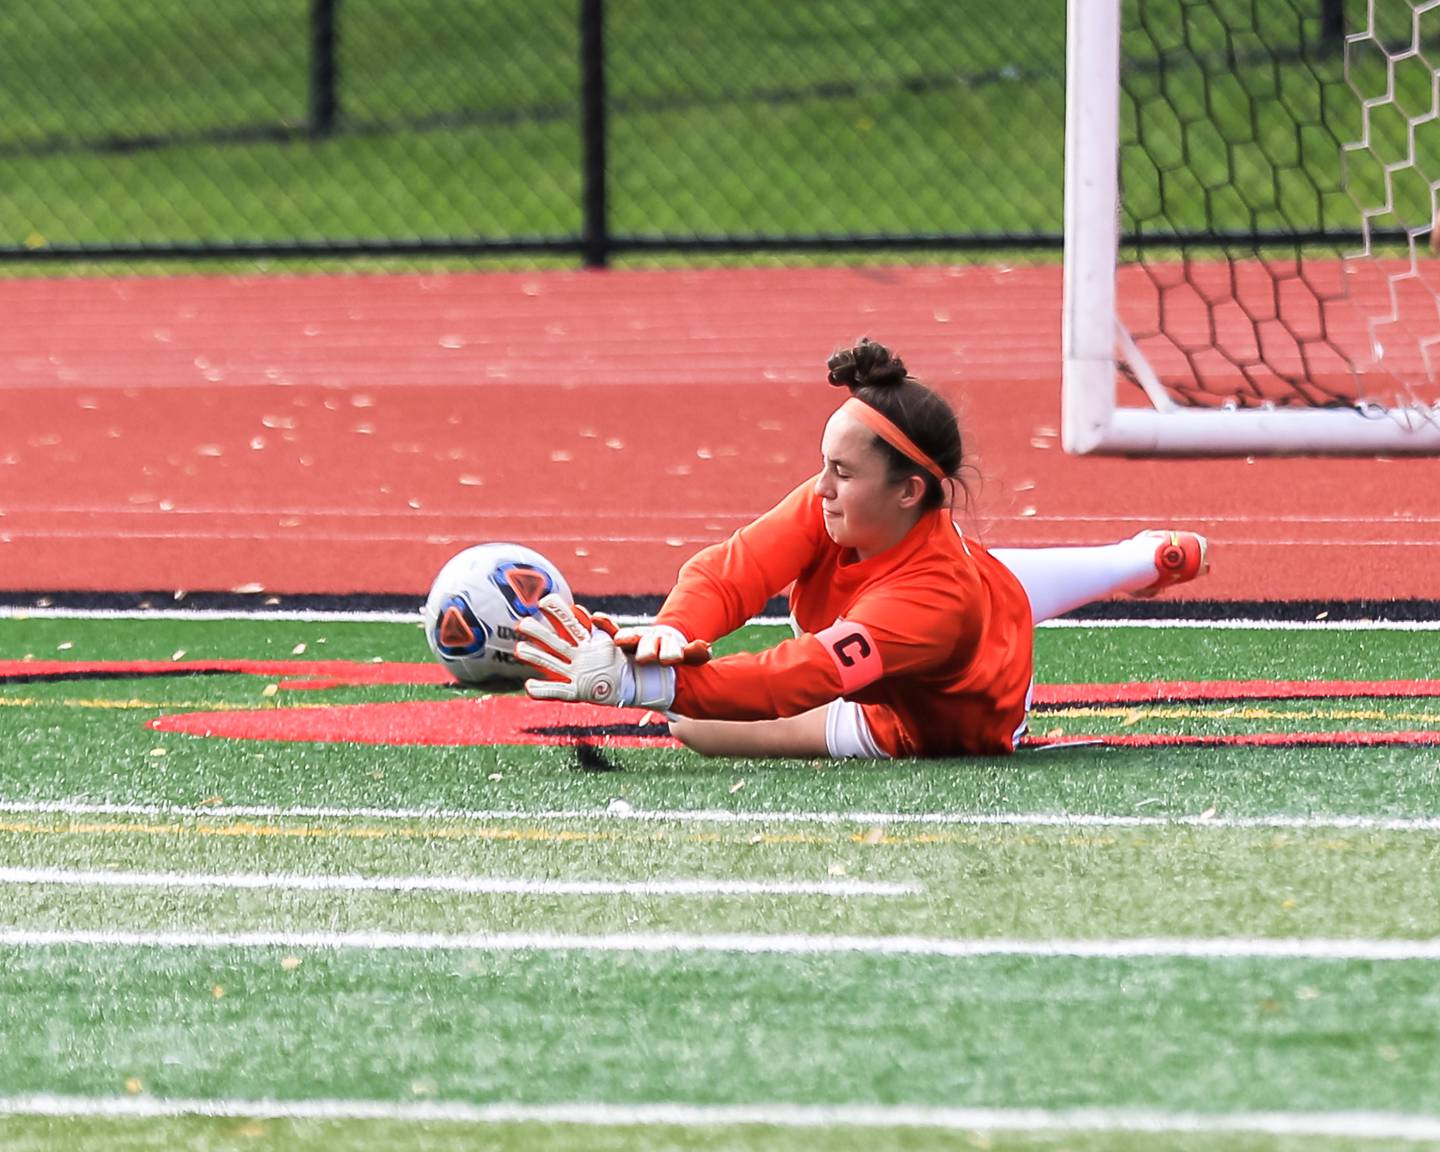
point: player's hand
(582, 663)
(661, 644)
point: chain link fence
(159, 127)
(140, 128)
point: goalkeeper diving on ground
(910, 638)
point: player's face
(863, 509)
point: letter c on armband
(855, 653)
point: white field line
(463, 885)
(776, 944)
(1335, 1125)
(860, 819)
(315, 616)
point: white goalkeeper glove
(582, 663)
(660, 644)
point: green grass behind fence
(462, 121)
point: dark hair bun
(866, 365)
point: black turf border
(262, 604)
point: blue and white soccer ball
(474, 604)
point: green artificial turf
(87, 792)
(724, 1029)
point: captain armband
(855, 653)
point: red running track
(347, 434)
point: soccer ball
(474, 603)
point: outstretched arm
(891, 631)
(724, 585)
(790, 736)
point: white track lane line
(672, 539)
(460, 885)
(470, 515)
(629, 512)
(620, 811)
(1334, 1125)
(415, 537)
(260, 615)
(315, 616)
(778, 944)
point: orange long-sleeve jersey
(932, 637)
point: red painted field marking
(468, 721)
(303, 673)
(1428, 738)
(1182, 691)
(518, 720)
(321, 674)
(474, 718)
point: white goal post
(1247, 332)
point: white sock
(1057, 580)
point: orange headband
(886, 429)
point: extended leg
(1058, 580)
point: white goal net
(1250, 208)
